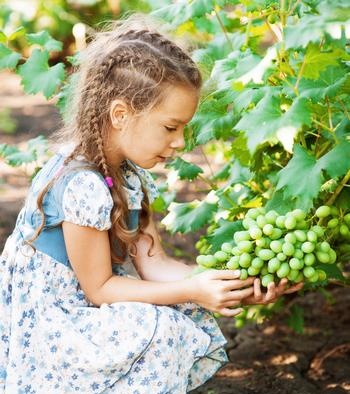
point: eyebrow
(177, 121)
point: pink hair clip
(109, 181)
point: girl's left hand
(272, 294)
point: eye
(170, 128)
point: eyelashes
(170, 128)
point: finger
(294, 288)
(238, 284)
(239, 294)
(231, 303)
(282, 286)
(225, 274)
(230, 312)
(257, 289)
(271, 292)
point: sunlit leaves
(44, 39)
(38, 76)
(8, 58)
(184, 169)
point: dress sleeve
(87, 201)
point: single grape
(299, 254)
(280, 222)
(264, 271)
(261, 221)
(309, 259)
(261, 243)
(255, 233)
(308, 272)
(347, 218)
(299, 278)
(241, 236)
(296, 264)
(307, 247)
(288, 249)
(318, 230)
(321, 275)
(283, 271)
(236, 251)
(300, 235)
(221, 256)
(245, 259)
(299, 214)
(252, 271)
(276, 246)
(257, 262)
(206, 261)
(334, 211)
(344, 230)
(302, 225)
(325, 246)
(273, 265)
(267, 229)
(233, 263)
(257, 250)
(311, 236)
(244, 274)
(266, 279)
(200, 259)
(323, 211)
(276, 233)
(291, 238)
(293, 275)
(247, 223)
(245, 246)
(332, 256)
(323, 257)
(271, 217)
(281, 257)
(333, 223)
(226, 247)
(266, 254)
(290, 222)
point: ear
(118, 113)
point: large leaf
(38, 76)
(186, 217)
(44, 39)
(268, 123)
(8, 58)
(184, 169)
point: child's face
(152, 137)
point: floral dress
(53, 340)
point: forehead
(179, 104)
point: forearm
(121, 288)
(164, 269)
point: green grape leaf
(6, 150)
(185, 169)
(8, 58)
(316, 61)
(336, 162)
(301, 179)
(16, 159)
(296, 319)
(186, 217)
(268, 123)
(44, 39)
(17, 33)
(3, 36)
(224, 233)
(38, 76)
(240, 151)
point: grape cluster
(274, 246)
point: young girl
(72, 319)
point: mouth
(163, 158)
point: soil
(265, 358)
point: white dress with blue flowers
(53, 340)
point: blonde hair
(132, 61)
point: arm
(89, 253)
(159, 267)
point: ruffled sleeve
(87, 201)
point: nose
(178, 142)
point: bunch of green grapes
(274, 246)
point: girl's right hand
(220, 291)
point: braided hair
(134, 63)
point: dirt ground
(266, 358)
